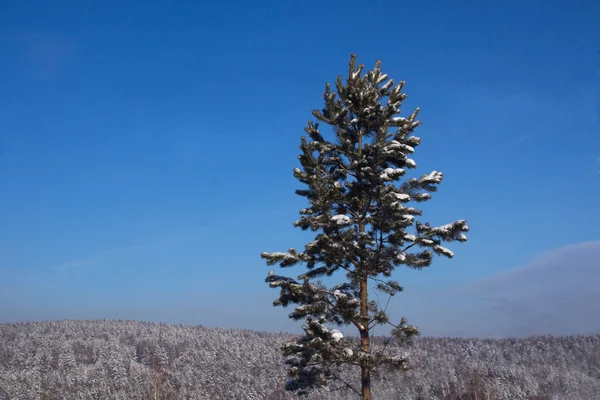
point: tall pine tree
(360, 211)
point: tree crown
(360, 212)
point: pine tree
(360, 212)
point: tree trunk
(365, 367)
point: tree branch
(346, 383)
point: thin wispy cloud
(125, 252)
(556, 293)
(523, 138)
(94, 260)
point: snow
(311, 244)
(341, 219)
(408, 217)
(391, 171)
(387, 85)
(401, 257)
(285, 256)
(410, 237)
(399, 358)
(402, 196)
(444, 251)
(354, 121)
(271, 273)
(423, 196)
(394, 144)
(399, 119)
(445, 228)
(382, 78)
(427, 241)
(336, 335)
(411, 163)
(460, 236)
(460, 227)
(348, 352)
(434, 176)
(337, 294)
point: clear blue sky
(147, 148)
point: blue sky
(147, 151)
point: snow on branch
(391, 174)
(284, 259)
(453, 231)
(433, 177)
(341, 219)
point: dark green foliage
(359, 210)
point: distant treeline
(138, 360)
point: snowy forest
(139, 360)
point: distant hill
(138, 360)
